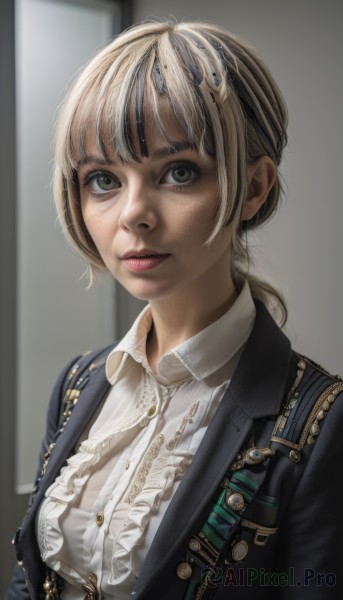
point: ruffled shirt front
(103, 510)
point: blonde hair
(224, 100)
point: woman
(197, 457)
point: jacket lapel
(90, 400)
(227, 432)
(256, 391)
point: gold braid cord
(90, 588)
(50, 586)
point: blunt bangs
(116, 103)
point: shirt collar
(198, 357)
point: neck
(177, 319)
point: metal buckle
(261, 533)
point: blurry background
(46, 315)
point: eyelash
(90, 177)
(182, 164)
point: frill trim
(159, 480)
(67, 487)
(50, 553)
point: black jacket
(300, 497)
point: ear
(261, 175)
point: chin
(147, 292)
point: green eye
(100, 183)
(103, 182)
(182, 174)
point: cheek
(99, 226)
(201, 222)
(87, 218)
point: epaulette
(309, 400)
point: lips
(144, 253)
(139, 261)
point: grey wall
(9, 504)
(301, 41)
(57, 317)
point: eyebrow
(89, 159)
(169, 150)
(172, 148)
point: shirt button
(151, 411)
(99, 518)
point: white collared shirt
(102, 512)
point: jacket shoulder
(311, 396)
(75, 377)
(75, 373)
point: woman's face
(150, 220)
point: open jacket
(297, 550)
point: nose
(138, 212)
